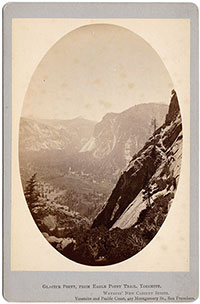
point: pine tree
(147, 191)
(154, 124)
(31, 193)
(147, 195)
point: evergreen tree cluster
(31, 193)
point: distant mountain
(82, 152)
(119, 136)
(124, 131)
(44, 134)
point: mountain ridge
(42, 134)
(99, 149)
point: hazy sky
(94, 70)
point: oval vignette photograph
(100, 144)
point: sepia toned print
(100, 152)
(100, 145)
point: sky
(94, 70)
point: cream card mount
(100, 108)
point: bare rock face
(156, 167)
(173, 108)
(42, 134)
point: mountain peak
(174, 108)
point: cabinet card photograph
(98, 203)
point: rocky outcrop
(154, 169)
(173, 108)
(55, 219)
